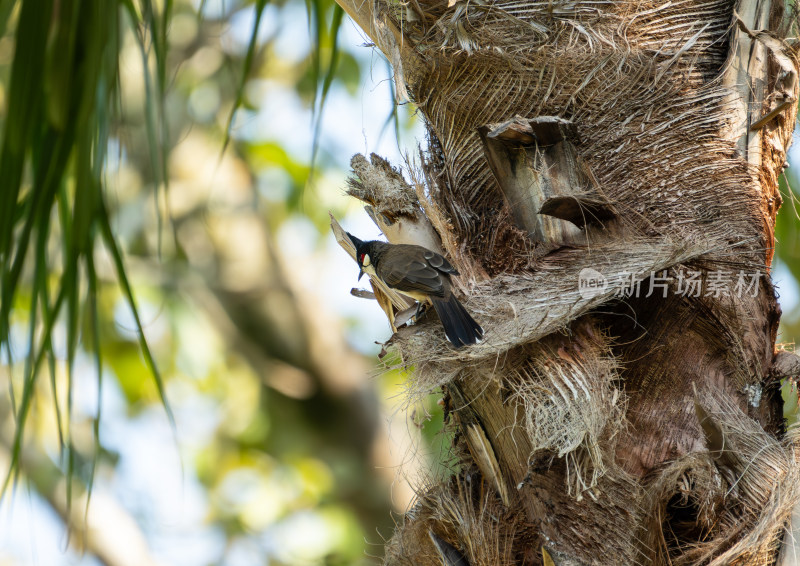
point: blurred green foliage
(139, 225)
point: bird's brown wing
(439, 262)
(408, 268)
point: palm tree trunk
(604, 175)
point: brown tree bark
(633, 148)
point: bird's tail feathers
(461, 329)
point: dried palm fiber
(571, 404)
(638, 99)
(609, 507)
(487, 532)
(589, 506)
(518, 316)
(465, 515)
(675, 342)
(566, 399)
(382, 186)
(737, 504)
(647, 86)
(734, 495)
(641, 111)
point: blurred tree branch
(104, 528)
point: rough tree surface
(638, 421)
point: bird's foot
(422, 309)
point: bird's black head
(362, 253)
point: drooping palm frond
(248, 65)
(62, 104)
(324, 39)
(330, 71)
(319, 35)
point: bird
(423, 275)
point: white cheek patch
(366, 262)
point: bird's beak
(360, 274)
